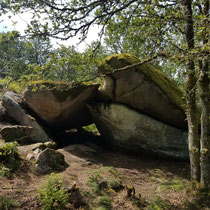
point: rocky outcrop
(13, 103)
(136, 108)
(143, 88)
(61, 105)
(129, 130)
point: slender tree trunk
(205, 105)
(193, 138)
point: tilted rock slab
(17, 133)
(61, 105)
(143, 88)
(12, 102)
(129, 130)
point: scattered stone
(131, 192)
(30, 157)
(103, 185)
(50, 160)
(50, 144)
(37, 151)
(39, 146)
(43, 146)
(13, 103)
(75, 197)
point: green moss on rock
(114, 63)
(61, 90)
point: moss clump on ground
(61, 90)
(114, 63)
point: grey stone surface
(12, 103)
(127, 129)
(143, 88)
(49, 160)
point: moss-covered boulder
(128, 130)
(143, 88)
(50, 160)
(59, 104)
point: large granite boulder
(61, 105)
(13, 103)
(143, 88)
(129, 130)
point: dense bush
(7, 203)
(53, 194)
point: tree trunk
(193, 138)
(205, 105)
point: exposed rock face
(4, 117)
(17, 133)
(61, 105)
(50, 160)
(129, 130)
(143, 88)
(12, 103)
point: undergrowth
(7, 203)
(9, 159)
(53, 195)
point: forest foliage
(175, 32)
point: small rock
(50, 144)
(37, 151)
(103, 185)
(75, 197)
(50, 160)
(30, 157)
(39, 146)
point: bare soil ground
(161, 183)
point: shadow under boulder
(129, 130)
(61, 105)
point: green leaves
(16, 54)
(53, 194)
